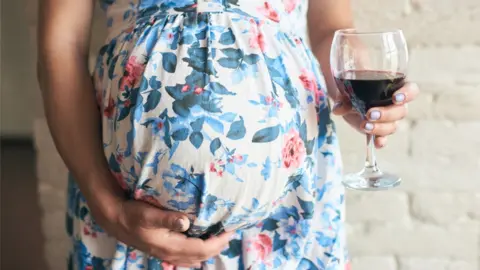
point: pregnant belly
(227, 168)
(217, 130)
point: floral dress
(216, 108)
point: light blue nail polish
(375, 115)
(399, 97)
(369, 126)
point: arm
(69, 99)
(324, 18)
(74, 122)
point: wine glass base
(371, 181)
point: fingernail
(399, 97)
(375, 115)
(336, 105)
(181, 224)
(368, 127)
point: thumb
(154, 217)
(342, 106)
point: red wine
(369, 88)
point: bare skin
(74, 121)
(325, 17)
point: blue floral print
(216, 109)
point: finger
(406, 94)
(380, 141)
(354, 120)
(380, 129)
(387, 114)
(203, 249)
(342, 106)
(151, 217)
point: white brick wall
(432, 221)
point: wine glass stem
(370, 160)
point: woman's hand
(381, 121)
(156, 232)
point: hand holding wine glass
(370, 70)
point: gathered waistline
(266, 14)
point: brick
(50, 167)
(363, 10)
(447, 143)
(444, 208)
(460, 104)
(425, 175)
(369, 263)
(422, 106)
(419, 240)
(53, 224)
(388, 206)
(51, 198)
(447, 66)
(445, 157)
(56, 253)
(51, 170)
(425, 22)
(436, 264)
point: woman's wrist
(103, 195)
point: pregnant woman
(204, 138)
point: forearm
(324, 18)
(74, 122)
(321, 50)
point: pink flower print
(185, 88)
(198, 90)
(348, 266)
(257, 40)
(133, 71)
(217, 168)
(269, 100)
(308, 80)
(262, 246)
(293, 151)
(290, 5)
(268, 11)
(212, 167)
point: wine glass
(368, 68)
